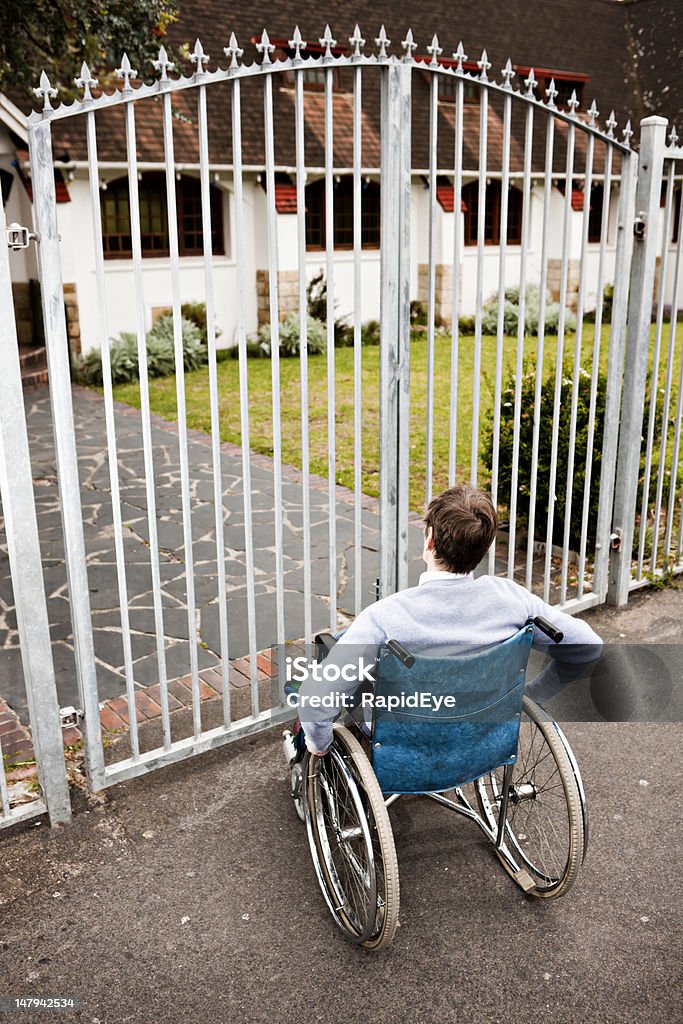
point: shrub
(607, 299)
(123, 353)
(528, 386)
(255, 350)
(467, 324)
(289, 336)
(316, 303)
(370, 333)
(531, 313)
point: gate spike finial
(593, 115)
(297, 43)
(46, 90)
(460, 56)
(531, 84)
(126, 72)
(199, 58)
(233, 51)
(85, 82)
(382, 41)
(435, 50)
(508, 74)
(483, 64)
(328, 42)
(163, 64)
(357, 42)
(551, 93)
(628, 132)
(673, 136)
(611, 124)
(409, 45)
(573, 103)
(265, 47)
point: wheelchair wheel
(351, 842)
(544, 830)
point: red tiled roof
(285, 198)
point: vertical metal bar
(303, 352)
(4, 795)
(503, 808)
(521, 321)
(679, 401)
(481, 224)
(394, 325)
(403, 341)
(57, 346)
(540, 343)
(569, 171)
(615, 368)
(500, 325)
(455, 319)
(652, 145)
(186, 504)
(112, 455)
(21, 529)
(357, 341)
(654, 382)
(669, 373)
(431, 281)
(274, 357)
(145, 414)
(587, 184)
(595, 365)
(329, 271)
(213, 396)
(240, 263)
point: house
(627, 55)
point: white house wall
(79, 263)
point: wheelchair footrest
(521, 875)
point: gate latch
(19, 237)
(639, 226)
(615, 540)
(70, 716)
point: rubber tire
(349, 747)
(575, 812)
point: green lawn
(163, 402)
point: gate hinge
(70, 716)
(19, 237)
(615, 540)
(639, 225)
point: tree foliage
(58, 35)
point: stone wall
(288, 294)
(443, 291)
(73, 326)
(554, 281)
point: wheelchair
(528, 792)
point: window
(342, 214)
(676, 215)
(470, 198)
(595, 213)
(448, 89)
(116, 230)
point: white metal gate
(560, 149)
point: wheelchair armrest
(547, 627)
(324, 642)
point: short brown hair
(464, 523)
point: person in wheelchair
(451, 611)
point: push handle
(399, 651)
(547, 627)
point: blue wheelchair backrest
(422, 750)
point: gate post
(643, 266)
(394, 325)
(26, 572)
(57, 348)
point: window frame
(495, 190)
(317, 189)
(154, 183)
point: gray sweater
(448, 613)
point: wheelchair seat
(447, 744)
